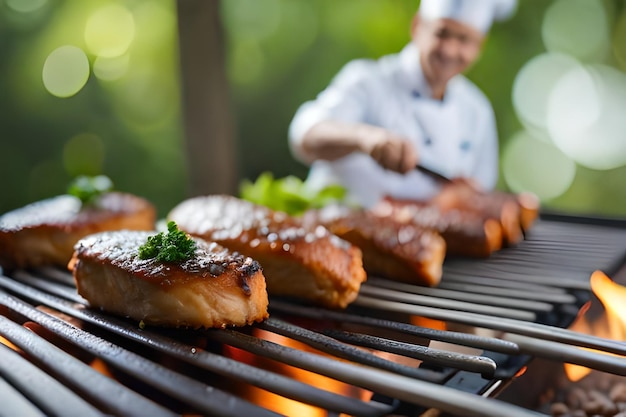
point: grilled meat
(305, 262)
(44, 232)
(215, 288)
(515, 212)
(396, 250)
(465, 233)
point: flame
(610, 326)
(281, 404)
(7, 343)
(613, 297)
(426, 322)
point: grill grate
(528, 294)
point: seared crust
(216, 288)
(309, 263)
(515, 212)
(465, 233)
(395, 250)
(44, 232)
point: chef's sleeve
(345, 100)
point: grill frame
(506, 357)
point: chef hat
(476, 13)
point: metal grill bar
(570, 354)
(480, 364)
(518, 303)
(451, 305)
(14, 403)
(410, 390)
(202, 397)
(499, 289)
(49, 287)
(51, 397)
(558, 254)
(342, 350)
(538, 331)
(525, 280)
(463, 339)
(82, 378)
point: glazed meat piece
(515, 212)
(44, 232)
(465, 233)
(304, 262)
(396, 250)
(215, 288)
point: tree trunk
(208, 121)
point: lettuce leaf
(288, 194)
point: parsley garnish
(87, 189)
(173, 246)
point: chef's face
(447, 47)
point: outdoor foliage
(125, 121)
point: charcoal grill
(524, 297)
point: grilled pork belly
(396, 250)
(44, 232)
(465, 233)
(305, 262)
(215, 288)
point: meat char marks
(298, 261)
(215, 288)
(44, 232)
(396, 250)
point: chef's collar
(412, 74)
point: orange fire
(612, 325)
(7, 343)
(284, 405)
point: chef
(378, 119)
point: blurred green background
(90, 87)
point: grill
(384, 355)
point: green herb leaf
(87, 189)
(173, 246)
(289, 194)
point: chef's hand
(330, 140)
(391, 151)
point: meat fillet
(298, 261)
(396, 250)
(465, 233)
(515, 212)
(45, 232)
(215, 288)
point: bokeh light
(586, 118)
(83, 154)
(109, 31)
(25, 6)
(578, 28)
(532, 87)
(535, 165)
(65, 71)
(111, 69)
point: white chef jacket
(455, 136)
